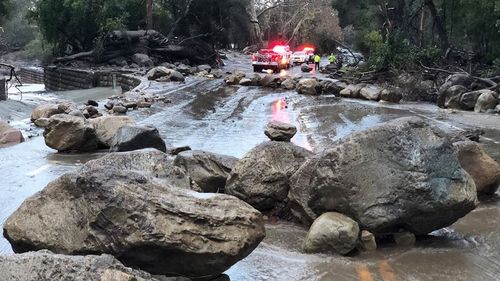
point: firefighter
(332, 58)
(317, 59)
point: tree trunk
(254, 27)
(149, 14)
(440, 25)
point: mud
(205, 114)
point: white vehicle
(299, 57)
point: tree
(5, 9)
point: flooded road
(206, 115)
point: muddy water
(230, 120)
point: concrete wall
(31, 75)
(63, 79)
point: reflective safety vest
(332, 58)
(317, 58)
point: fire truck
(275, 59)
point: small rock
(120, 109)
(109, 105)
(217, 73)
(204, 67)
(130, 105)
(279, 131)
(144, 104)
(245, 82)
(91, 110)
(367, 241)
(92, 103)
(332, 232)
(405, 239)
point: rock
(332, 233)
(332, 87)
(118, 208)
(208, 170)
(367, 241)
(330, 68)
(92, 103)
(204, 67)
(129, 138)
(487, 100)
(497, 109)
(256, 78)
(130, 104)
(401, 173)
(468, 100)
(109, 105)
(352, 91)
(46, 266)
(45, 111)
(453, 80)
(270, 81)
(393, 95)
(483, 169)
(76, 113)
(288, 84)
(405, 239)
(107, 126)
(309, 87)
(245, 82)
(305, 68)
(279, 131)
(70, 133)
(453, 96)
(9, 136)
(184, 69)
(261, 178)
(424, 91)
(120, 109)
(371, 92)
(142, 60)
(91, 110)
(119, 61)
(217, 73)
(166, 73)
(235, 78)
(43, 122)
(176, 150)
(144, 104)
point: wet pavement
(205, 114)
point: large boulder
(332, 233)
(459, 79)
(305, 68)
(309, 87)
(9, 136)
(352, 91)
(45, 111)
(142, 220)
(165, 73)
(129, 138)
(288, 84)
(270, 81)
(106, 127)
(235, 78)
(279, 131)
(70, 133)
(208, 170)
(142, 60)
(486, 101)
(46, 266)
(393, 95)
(400, 174)
(484, 170)
(261, 177)
(453, 97)
(468, 100)
(371, 92)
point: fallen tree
(194, 49)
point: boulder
(120, 109)
(305, 68)
(487, 100)
(332, 233)
(468, 100)
(91, 111)
(463, 80)
(332, 87)
(453, 97)
(367, 241)
(497, 109)
(109, 105)
(288, 84)
(424, 91)
(217, 73)
(270, 81)
(118, 208)
(279, 131)
(163, 72)
(245, 82)
(129, 138)
(45, 111)
(371, 92)
(144, 104)
(142, 60)
(208, 170)
(393, 95)
(184, 69)
(107, 126)
(70, 133)
(92, 103)
(9, 136)
(235, 78)
(404, 173)
(46, 266)
(484, 170)
(204, 67)
(352, 91)
(309, 87)
(261, 178)
(256, 78)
